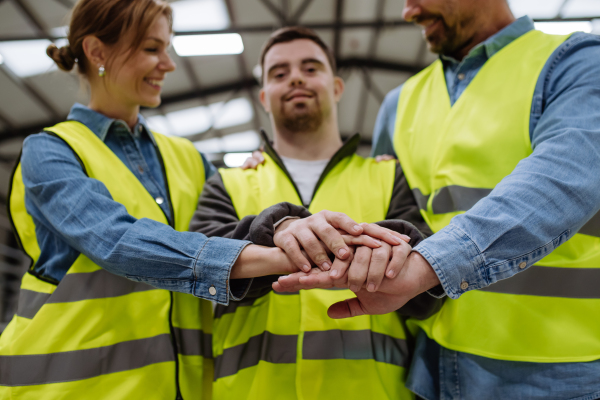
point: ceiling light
(581, 8)
(233, 160)
(563, 28)
(27, 57)
(189, 121)
(242, 141)
(206, 45)
(197, 15)
(160, 124)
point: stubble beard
(308, 121)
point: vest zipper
(171, 221)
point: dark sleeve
(403, 204)
(216, 216)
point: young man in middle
(283, 346)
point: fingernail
(390, 273)
(395, 239)
(333, 273)
(378, 242)
(305, 268)
(371, 287)
(326, 266)
(406, 237)
(357, 228)
(342, 252)
(354, 288)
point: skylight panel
(565, 27)
(232, 113)
(535, 8)
(189, 121)
(234, 160)
(236, 142)
(208, 45)
(581, 8)
(27, 57)
(197, 15)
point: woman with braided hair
(114, 305)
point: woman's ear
(95, 51)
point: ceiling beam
(300, 11)
(337, 26)
(276, 11)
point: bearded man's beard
(308, 121)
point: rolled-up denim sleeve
(80, 211)
(548, 197)
(383, 132)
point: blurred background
(212, 97)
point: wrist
(427, 277)
(255, 261)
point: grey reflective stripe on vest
(75, 365)
(460, 198)
(277, 349)
(451, 198)
(193, 342)
(221, 310)
(574, 283)
(354, 345)
(30, 302)
(81, 286)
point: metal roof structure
(213, 100)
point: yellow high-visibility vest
(98, 335)
(455, 155)
(283, 345)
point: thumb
(346, 309)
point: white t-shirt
(305, 174)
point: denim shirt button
(461, 76)
(159, 200)
(464, 285)
(522, 265)
(212, 290)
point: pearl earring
(101, 71)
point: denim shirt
(75, 214)
(547, 198)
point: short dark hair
(290, 33)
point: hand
(309, 232)
(324, 227)
(384, 157)
(255, 261)
(254, 161)
(415, 277)
(365, 269)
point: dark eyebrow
(280, 65)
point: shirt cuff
(463, 264)
(212, 268)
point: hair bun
(63, 57)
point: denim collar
(101, 124)
(496, 42)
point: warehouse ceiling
(212, 99)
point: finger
(339, 267)
(387, 235)
(399, 255)
(384, 157)
(359, 268)
(313, 248)
(291, 280)
(257, 155)
(362, 240)
(330, 236)
(250, 163)
(346, 309)
(288, 243)
(342, 221)
(379, 261)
